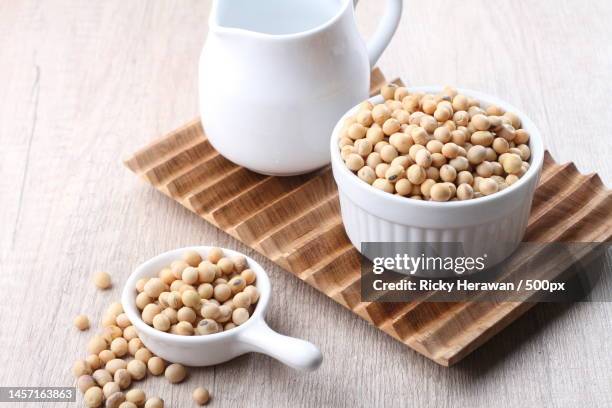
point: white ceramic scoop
(252, 336)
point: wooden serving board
(295, 222)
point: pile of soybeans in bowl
(195, 296)
(436, 147)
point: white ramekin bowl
(493, 225)
(252, 336)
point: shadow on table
(511, 339)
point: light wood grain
(86, 83)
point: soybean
(81, 322)
(175, 373)
(412, 142)
(201, 396)
(102, 280)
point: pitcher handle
(296, 353)
(385, 30)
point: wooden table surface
(85, 83)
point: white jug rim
(215, 26)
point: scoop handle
(385, 30)
(296, 353)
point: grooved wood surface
(296, 222)
(85, 83)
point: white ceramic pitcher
(275, 76)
